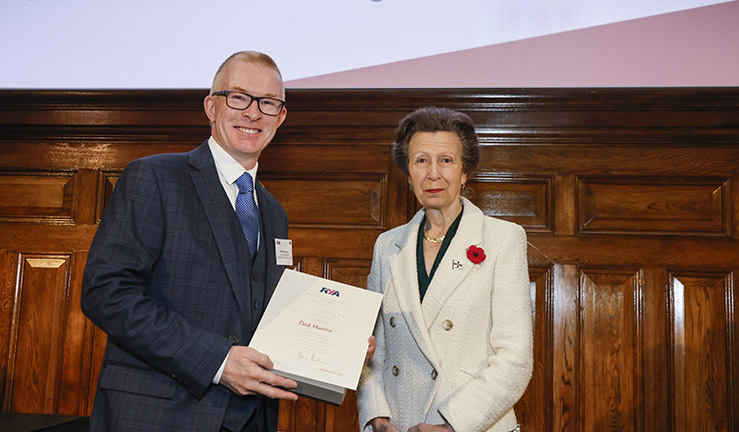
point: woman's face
(435, 168)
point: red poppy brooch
(475, 254)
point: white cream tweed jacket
(466, 354)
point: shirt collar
(227, 166)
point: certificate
(315, 331)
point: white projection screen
(112, 44)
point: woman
(454, 339)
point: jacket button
(257, 305)
(255, 277)
(434, 374)
(234, 339)
(447, 325)
(393, 322)
(395, 371)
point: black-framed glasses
(239, 100)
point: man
(182, 267)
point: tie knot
(245, 183)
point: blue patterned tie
(247, 212)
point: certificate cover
(315, 331)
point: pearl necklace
(433, 239)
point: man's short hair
(254, 57)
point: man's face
(244, 134)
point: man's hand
(370, 349)
(247, 371)
(423, 427)
(382, 424)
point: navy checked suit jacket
(170, 280)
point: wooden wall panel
(37, 334)
(74, 388)
(36, 197)
(610, 351)
(702, 349)
(565, 350)
(533, 409)
(354, 202)
(106, 183)
(655, 205)
(348, 271)
(629, 198)
(352, 272)
(524, 200)
(654, 341)
(8, 264)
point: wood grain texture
(526, 201)
(630, 198)
(30, 197)
(654, 205)
(701, 351)
(534, 409)
(37, 334)
(610, 350)
(355, 202)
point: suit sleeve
(115, 289)
(371, 399)
(496, 388)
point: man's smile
(247, 130)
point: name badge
(284, 251)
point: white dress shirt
(228, 171)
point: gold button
(434, 374)
(395, 371)
(447, 325)
(393, 322)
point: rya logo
(330, 291)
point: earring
(463, 186)
(410, 186)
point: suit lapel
(219, 213)
(270, 231)
(405, 286)
(454, 267)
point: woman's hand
(371, 346)
(424, 427)
(382, 424)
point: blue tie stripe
(247, 212)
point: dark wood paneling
(702, 345)
(533, 409)
(352, 272)
(655, 205)
(526, 201)
(654, 340)
(106, 183)
(354, 202)
(565, 349)
(610, 350)
(629, 198)
(37, 334)
(35, 197)
(348, 271)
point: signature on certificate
(310, 357)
